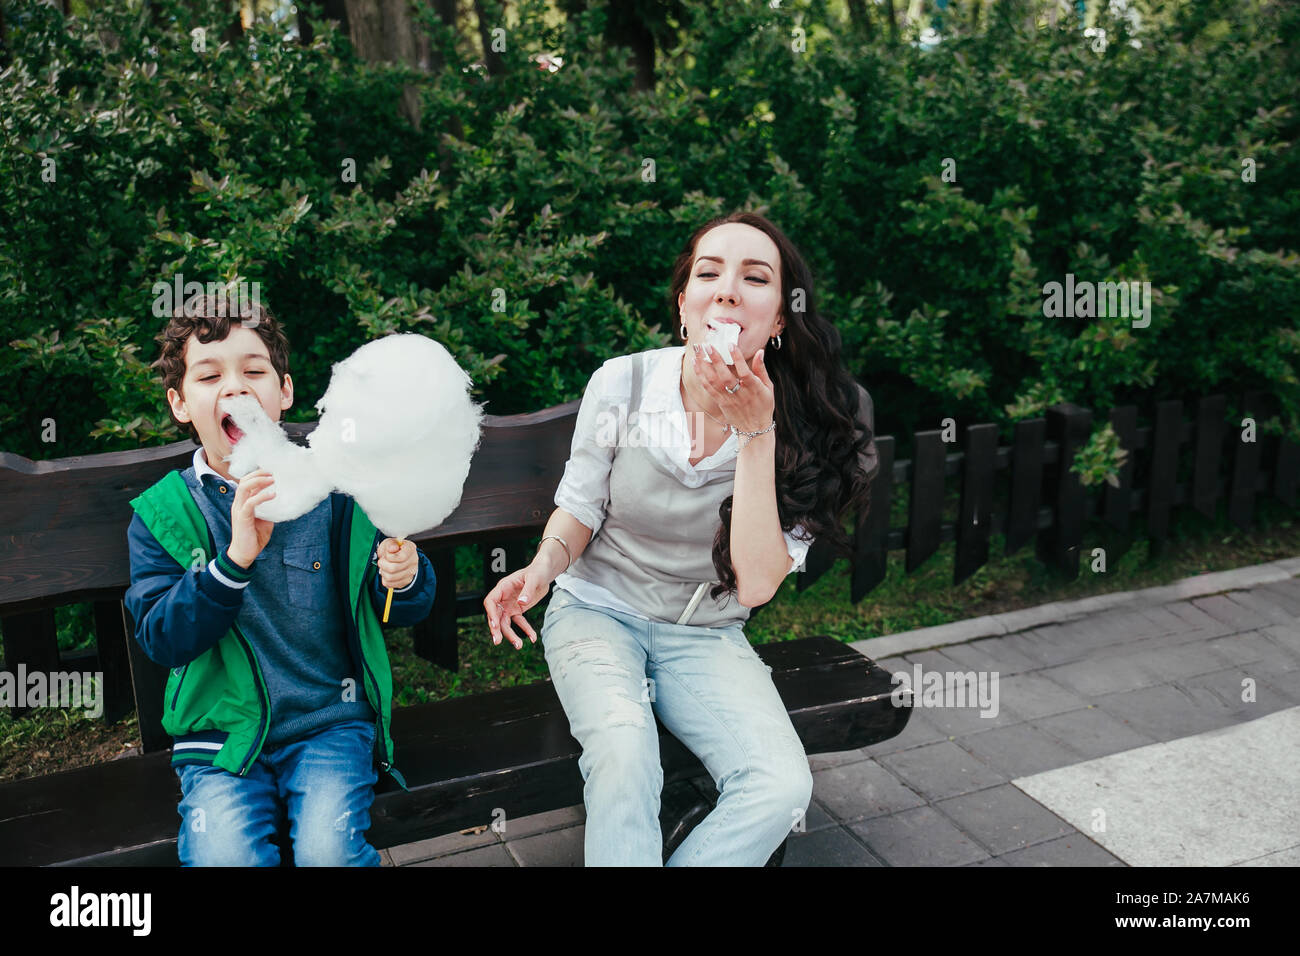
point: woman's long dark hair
(819, 440)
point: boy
(280, 691)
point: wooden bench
(467, 761)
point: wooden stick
(388, 602)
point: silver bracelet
(750, 436)
(564, 544)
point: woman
(695, 473)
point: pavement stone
(1287, 637)
(816, 818)
(1284, 594)
(1185, 660)
(1262, 604)
(918, 732)
(552, 848)
(1107, 675)
(840, 757)
(1092, 732)
(1235, 616)
(1167, 712)
(834, 846)
(1039, 648)
(408, 853)
(1034, 695)
(989, 861)
(859, 790)
(955, 722)
(1285, 682)
(1198, 622)
(1003, 818)
(920, 837)
(941, 770)
(1165, 620)
(516, 827)
(1112, 627)
(494, 855)
(1255, 647)
(1228, 686)
(1020, 750)
(1074, 850)
(993, 654)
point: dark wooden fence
(63, 522)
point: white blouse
(660, 425)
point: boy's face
(237, 365)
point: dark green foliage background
(222, 164)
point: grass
(49, 740)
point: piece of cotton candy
(299, 483)
(397, 432)
(722, 336)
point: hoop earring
(683, 330)
(778, 340)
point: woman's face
(736, 277)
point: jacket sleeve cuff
(225, 581)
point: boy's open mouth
(231, 429)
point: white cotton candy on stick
(722, 336)
(300, 484)
(397, 432)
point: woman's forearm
(758, 551)
(551, 557)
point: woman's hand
(513, 595)
(750, 407)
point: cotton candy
(397, 432)
(300, 485)
(722, 336)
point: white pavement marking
(1211, 799)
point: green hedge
(545, 247)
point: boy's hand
(249, 533)
(398, 564)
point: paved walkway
(1157, 727)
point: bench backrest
(63, 522)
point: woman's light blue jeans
(614, 673)
(324, 782)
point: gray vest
(655, 545)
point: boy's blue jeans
(613, 673)
(326, 784)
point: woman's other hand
(513, 595)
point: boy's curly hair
(209, 318)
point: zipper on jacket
(263, 697)
(175, 696)
(355, 635)
(365, 666)
(263, 724)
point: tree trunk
(892, 17)
(491, 58)
(637, 37)
(383, 31)
(336, 10)
(860, 18)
